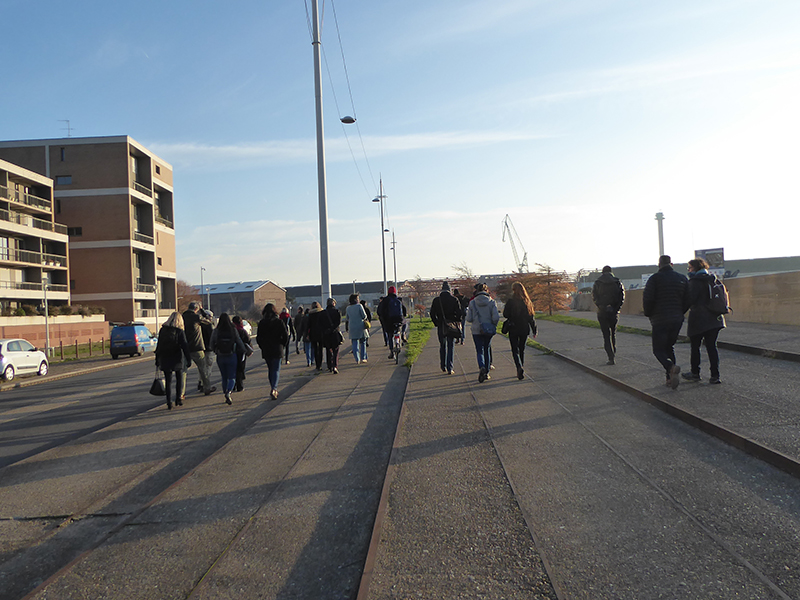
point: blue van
(131, 339)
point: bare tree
(465, 278)
(549, 290)
(186, 293)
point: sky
(580, 119)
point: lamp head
(347, 120)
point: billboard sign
(715, 257)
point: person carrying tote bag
(446, 314)
(172, 352)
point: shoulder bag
(450, 329)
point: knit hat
(392, 289)
(445, 287)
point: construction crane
(508, 228)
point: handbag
(450, 329)
(506, 327)
(158, 388)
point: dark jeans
(227, 368)
(274, 368)
(483, 346)
(240, 377)
(445, 351)
(178, 383)
(608, 325)
(664, 337)
(518, 343)
(316, 350)
(710, 340)
(332, 358)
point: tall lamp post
(46, 315)
(202, 288)
(394, 258)
(380, 200)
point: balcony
(33, 258)
(29, 221)
(143, 189)
(145, 313)
(165, 222)
(144, 288)
(145, 239)
(27, 285)
(27, 199)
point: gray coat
(482, 309)
(355, 315)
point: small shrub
(29, 310)
(19, 312)
(84, 311)
(65, 310)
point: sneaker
(714, 380)
(179, 401)
(228, 398)
(674, 380)
(335, 371)
(451, 372)
(274, 394)
(288, 363)
(482, 376)
(520, 373)
(491, 367)
(363, 360)
(444, 370)
(691, 376)
(391, 355)
(213, 389)
(611, 361)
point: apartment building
(33, 247)
(115, 198)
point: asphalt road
(36, 417)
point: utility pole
(660, 219)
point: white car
(20, 356)
(247, 327)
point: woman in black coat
(316, 331)
(272, 338)
(519, 313)
(331, 320)
(172, 352)
(703, 326)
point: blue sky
(579, 118)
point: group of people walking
(667, 296)
(449, 315)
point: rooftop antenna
(68, 128)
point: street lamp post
(394, 258)
(202, 288)
(380, 200)
(46, 315)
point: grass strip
(567, 320)
(419, 332)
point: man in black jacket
(197, 347)
(608, 295)
(445, 308)
(665, 300)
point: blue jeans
(309, 349)
(227, 368)
(483, 346)
(446, 345)
(274, 367)
(360, 349)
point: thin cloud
(189, 155)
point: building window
(72, 285)
(63, 154)
(58, 206)
(159, 261)
(63, 179)
(158, 170)
(74, 231)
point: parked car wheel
(43, 368)
(115, 356)
(8, 374)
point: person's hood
(607, 278)
(482, 299)
(702, 276)
(315, 310)
(445, 293)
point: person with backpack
(482, 313)
(445, 311)
(464, 302)
(241, 357)
(331, 319)
(224, 341)
(315, 330)
(705, 322)
(288, 323)
(172, 353)
(391, 313)
(193, 322)
(608, 295)
(665, 300)
(272, 337)
(521, 320)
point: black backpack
(225, 343)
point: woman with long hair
(172, 352)
(315, 332)
(521, 321)
(331, 319)
(703, 326)
(272, 338)
(224, 341)
(241, 357)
